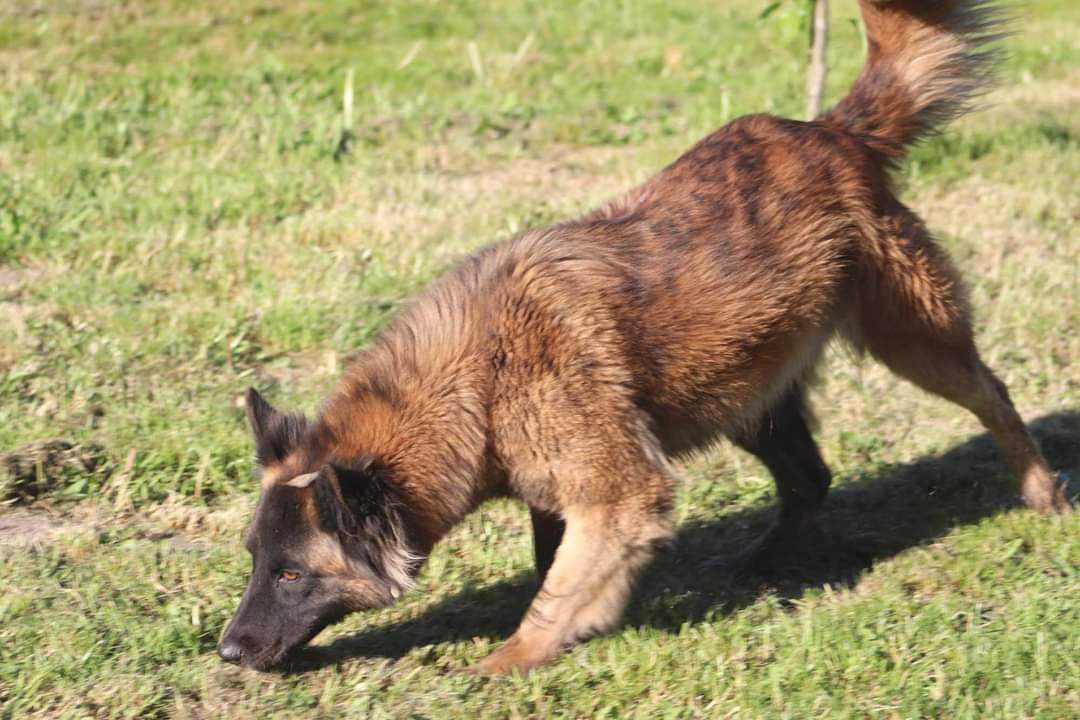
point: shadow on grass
(865, 520)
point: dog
(565, 366)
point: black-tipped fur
(276, 433)
(357, 504)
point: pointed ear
(276, 433)
(346, 496)
(361, 486)
(358, 502)
(261, 414)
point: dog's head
(329, 538)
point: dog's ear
(363, 487)
(261, 414)
(359, 502)
(349, 494)
(276, 433)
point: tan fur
(323, 552)
(563, 367)
(928, 60)
(590, 581)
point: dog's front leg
(548, 530)
(587, 587)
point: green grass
(176, 224)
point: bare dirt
(24, 528)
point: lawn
(188, 208)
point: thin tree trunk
(815, 80)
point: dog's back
(727, 272)
(695, 303)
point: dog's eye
(288, 576)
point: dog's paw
(1051, 498)
(513, 656)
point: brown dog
(565, 366)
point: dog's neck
(429, 433)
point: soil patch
(38, 467)
(27, 529)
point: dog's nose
(229, 651)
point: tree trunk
(815, 80)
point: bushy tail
(927, 60)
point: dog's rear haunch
(565, 366)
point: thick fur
(927, 61)
(563, 367)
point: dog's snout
(230, 651)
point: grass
(176, 223)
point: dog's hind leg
(911, 315)
(782, 441)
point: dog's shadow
(867, 519)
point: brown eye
(288, 576)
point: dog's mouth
(267, 659)
(278, 656)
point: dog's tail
(927, 60)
